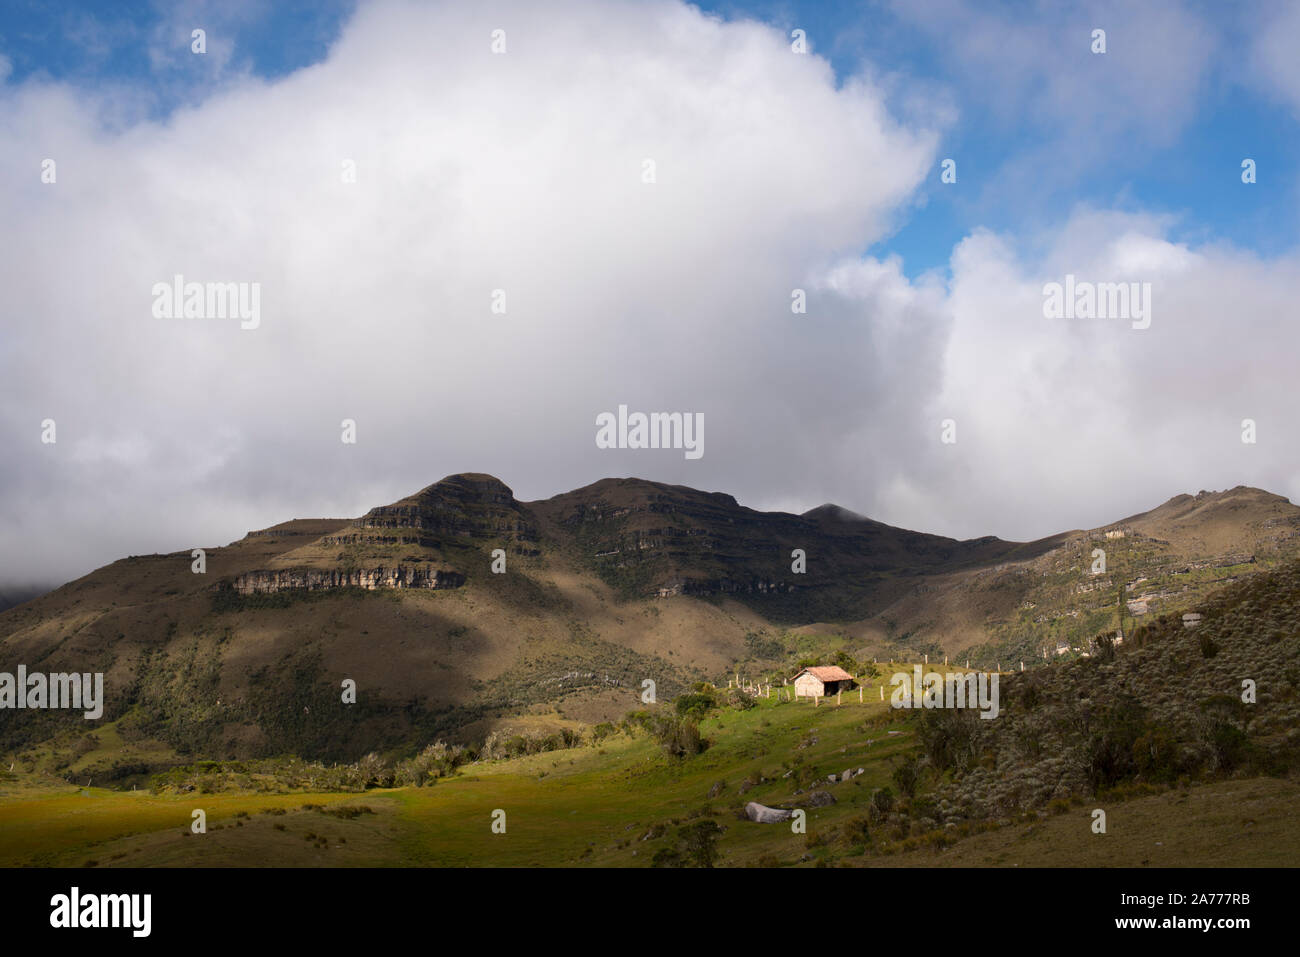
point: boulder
(820, 798)
(765, 815)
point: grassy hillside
(1155, 733)
(623, 802)
(604, 588)
(1173, 705)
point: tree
(699, 842)
(847, 662)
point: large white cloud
(475, 171)
(1272, 61)
(523, 172)
(1067, 423)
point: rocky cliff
(317, 579)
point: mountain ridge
(459, 608)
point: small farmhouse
(821, 681)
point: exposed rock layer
(317, 579)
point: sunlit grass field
(616, 803)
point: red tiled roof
(826, 673)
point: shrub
(857, 831)
(696, 706)
(1155, 753)
(668, 857)
(435, 761)
(1109, 752)
(374, 771)
(948, 737)
(906, 776)
(740, 700)
(1229, 746)
(678, 736)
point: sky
(474, 228)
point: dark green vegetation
(1171, 705)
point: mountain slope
(603, 588)
(647, 539)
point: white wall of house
(807, 686)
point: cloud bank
(525, 172)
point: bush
(637, 720)
(678, 736)
(668, 857)
(948, 737)
(740, 700)
(1155, 754)
(1109, 752)
(373, 771)
(696, 706)
(1229, 746)
(882, 802)
(858, 831)
(906, 776)
(435, 761)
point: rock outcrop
(724, 586)
(318, 579)
(458, 508)
(766, 815)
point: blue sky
(1194, 177)
(1191, 174)
(86, 40)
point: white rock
(765, 815)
